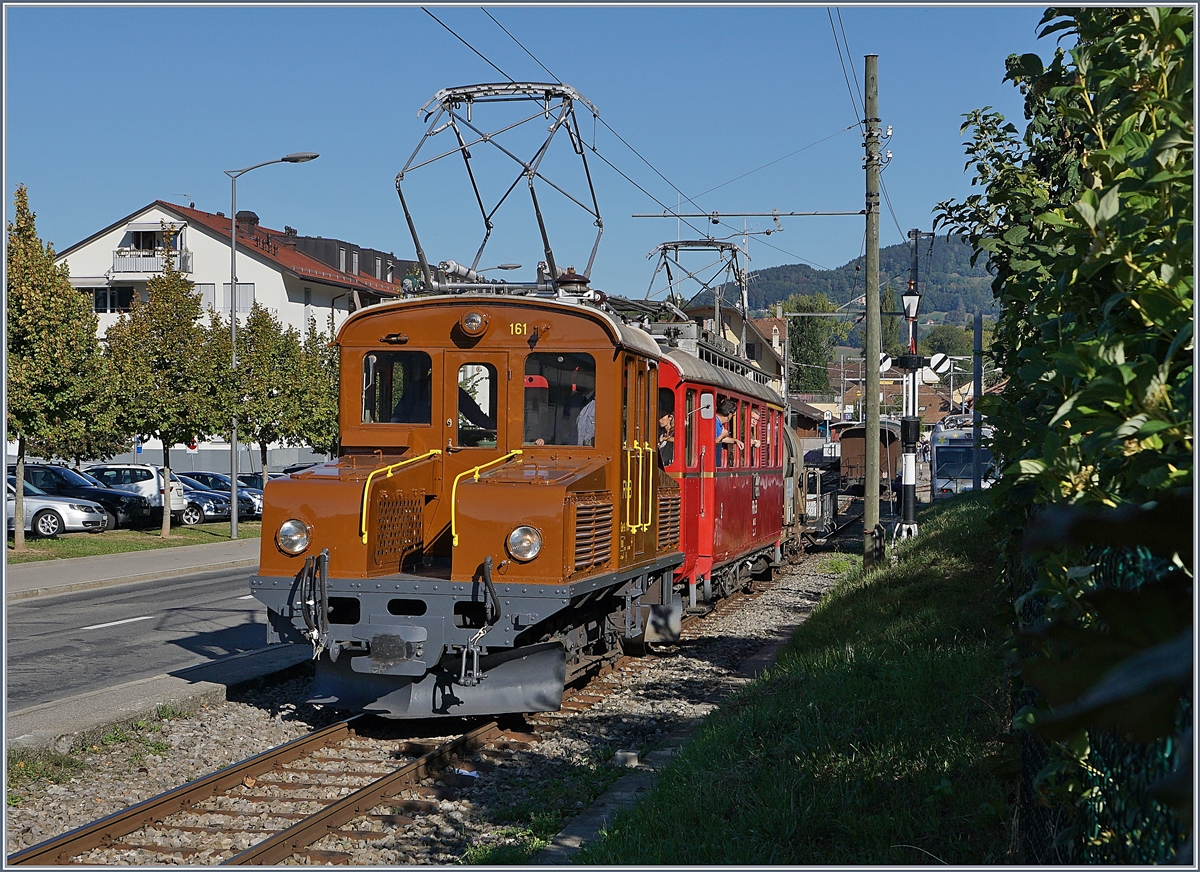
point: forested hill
(948, 282)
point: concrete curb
(91, 715)
(126, 579)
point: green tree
(169, 379)
(811, 342)
(1086, 223)
(55, 370)
(269, 379)
(318, 425)
(947, 339)
(893, 342)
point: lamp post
(297, 157)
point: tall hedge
(1085, 220)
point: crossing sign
(885, 361)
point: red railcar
(732, 491)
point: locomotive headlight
(524, 543)
(292, 537)
(473, 323)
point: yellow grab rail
(648, 448)
(387, 470)
(460, 477)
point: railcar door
(638, 468)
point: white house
(295, 277)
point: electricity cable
(468, 45)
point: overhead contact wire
(468, 45)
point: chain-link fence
(1111, 819)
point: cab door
(638, 472)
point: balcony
(131, 260)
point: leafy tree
(948, 339)
(318, 424)
(169, 379)
(1086, 223)
(811, 342)
(269, 379)
(55, 370)
(890, 325)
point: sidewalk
(45, 577)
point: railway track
(311, 800)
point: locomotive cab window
(397, 387)
(477, 405)
(560, 404)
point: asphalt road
(63, 645)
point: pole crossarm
(716, 217)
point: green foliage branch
(1086, 223)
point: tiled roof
(268, 245)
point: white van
(140, 478)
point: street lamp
(297, 157)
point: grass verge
(125, 540)
(877, 738)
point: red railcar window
(397, 387)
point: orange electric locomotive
(531, 476)
(498, 520)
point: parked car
(255, 479)
(220, 482)
(203, 505)
(195, 488)
(299, 467)
(48, 516)
(141, 478)
(123, 508)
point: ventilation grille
(668, 519)
(398, 526)
(593, 534)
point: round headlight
(292, 536)
(524, 543)
(473, 323)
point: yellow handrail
(460, 477)
(387, 470)
(627, 488)
(650, 495)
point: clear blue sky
(110, 108)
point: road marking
(115, 623)
(247, 596)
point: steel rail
(297, 837)
(60, 849)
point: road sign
(940, 363)
(138, 448)
(885, 361)
(828, 415)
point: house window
(245, 296)
(342, 259)
(379, 267)
(208, 295)
(752, 350)
(118, 298)
(354, 262)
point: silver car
(47, 516)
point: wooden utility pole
(872, 537)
